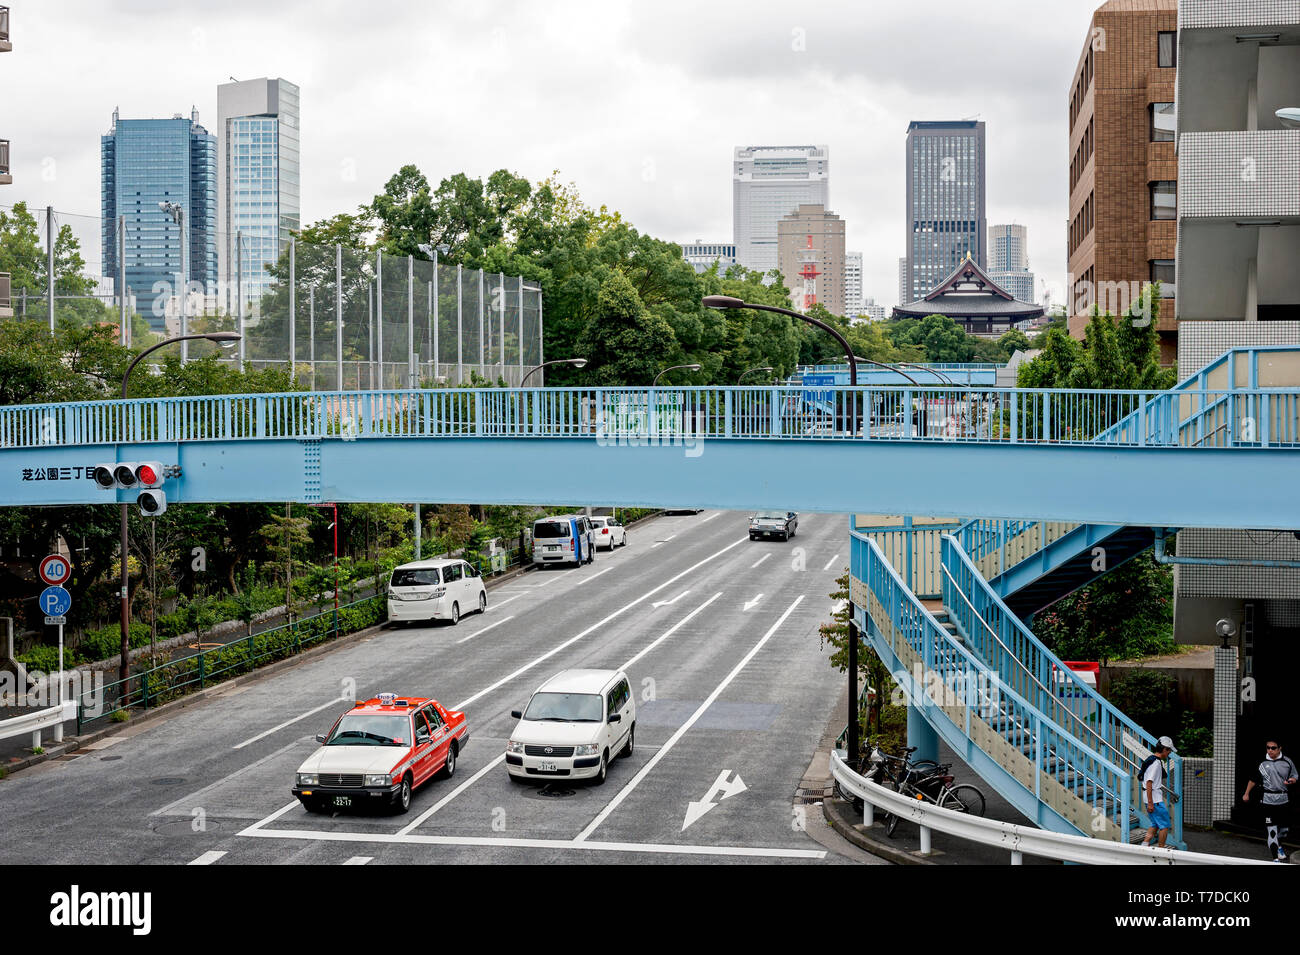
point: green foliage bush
(1148, 697)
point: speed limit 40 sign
(55, 570)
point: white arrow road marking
(208, 857)
(723, 786)
(682, 730)
(666, 603)
(486, 629)
(831, 561)
(749, 604)
(760, 560)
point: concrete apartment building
(1239, 285)
(1123, 174)
(769, 182)
(853, 299)
(702, 255)
(811, 257)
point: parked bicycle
(924, 780)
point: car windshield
(769, 516)
(414, 577)
(369, 729)
(565, 707)
(551, 529)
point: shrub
(46, 658)
(120, 716)
(1148, 697)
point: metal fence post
(379, 314)
(411, 379)
(293, 316)
(338, 311)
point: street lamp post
(124, 666)
(575, 362)
(692, 367)
(767, 368)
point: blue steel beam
(1165, 486)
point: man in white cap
(1153, 791)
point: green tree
(624, 343)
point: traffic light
(145, 476)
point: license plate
(552, 547)
(547, 767)
(342, 800)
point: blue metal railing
(915, 550)
(1260, 418)
(1024, 663)
(909, 632)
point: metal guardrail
(1253, 419)
(1018, 840)
(35, 723)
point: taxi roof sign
(386, 699)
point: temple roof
(968, 291)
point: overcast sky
(640, 105)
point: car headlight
(381, 780)
(308, 779)
(514, 747)
(589, 749)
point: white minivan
(440, 589)
(575, 724)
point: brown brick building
(810, 254)
(1123, 172)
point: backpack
(1146, 764)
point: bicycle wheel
(963, 798)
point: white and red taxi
(379, 751)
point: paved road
(721, 690)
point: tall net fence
(332, 316)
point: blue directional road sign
(811, 396)
(55, 601)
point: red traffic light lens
(147, 474)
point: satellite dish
(1289, 116)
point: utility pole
(49, 248)
(239, 293)
(121, 282)
(338, 344)
(293, 316)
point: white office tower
(1009, 261)
(769, 183)
(852, 284)
(258, 181)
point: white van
(575, 724)
(441, 589)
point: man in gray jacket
(1275, 773)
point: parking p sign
(55, 570)
(55, 601)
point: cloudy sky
(640, 105)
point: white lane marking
(760, 560)
(269, 819)
(193, 798)
(831, 561)
(545, 583)
(452, 795)
(359, 860)
(705, 520)
(670, 632)
(664, 541)
(473, 779)
(594, 627)
(498, 603)
(669, 603)
(528, 666)
(486, 629)
(672, 740)
(593, 576)
(755, 852)
(208, 857)
(749, 604)
(334, 702)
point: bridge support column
(921, 735)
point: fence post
(202, 669)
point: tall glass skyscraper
(768, 184)
(145, 162)
(259, 182)
(945, 202)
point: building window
(1161, 122)
(1162, 271)
(1164, 200)
(1168, 49)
